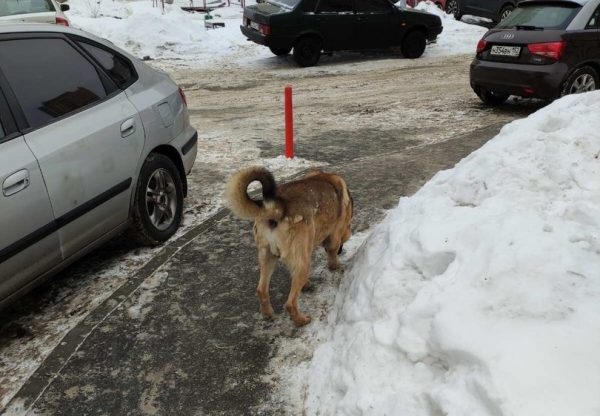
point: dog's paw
(267, 312)
(335, 267)
(302, 320)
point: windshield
(289, 4)
(541, 16)
(12, 7)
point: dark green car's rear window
(542, 16)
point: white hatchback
(34, 11)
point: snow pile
(457, 37)
(144, 30)
(479, 295)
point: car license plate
(513, 51)
(254, 25)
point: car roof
(23, 27)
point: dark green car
(312, 26)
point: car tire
(307, 51)
(158, 204)
(505, 12)
(453, 8)
(413, 45)
(280, 51)
(581, 80)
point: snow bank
(144, 30)
(457, 37)
(479, 295)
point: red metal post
(289, 123)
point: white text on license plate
(254, 25)
(505, 50)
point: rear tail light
(552, 50)
(482, 46)
(62, 21)
(182, 95)
(264, 29)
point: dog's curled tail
(245, 207)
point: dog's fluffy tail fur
(270, 208)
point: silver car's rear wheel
(158, 205)
(161, 199)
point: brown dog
(290, 221)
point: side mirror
(64, 7)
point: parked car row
(92, 141)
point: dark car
(313, 26)
(497, 10)
(544, 49)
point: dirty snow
(479, 294)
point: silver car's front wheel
(158, 205)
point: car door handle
(15, 182)
(128, 127)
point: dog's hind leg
(299, 266)
(333, 247)
(267, 262)
(299, 279)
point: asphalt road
(181, 334)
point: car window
(594, 22)
(12, 7)
(335, 6)
(49, 78)
(119, 69)
(544, 16)
(372, 6)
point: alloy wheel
(505, 14)
(452, 7)
(583, 83)
(161, 199)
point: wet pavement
(183, 336)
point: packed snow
(479, 294)
(179, 36)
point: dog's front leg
(267, 262)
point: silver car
(92, 141)
(33, 11)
